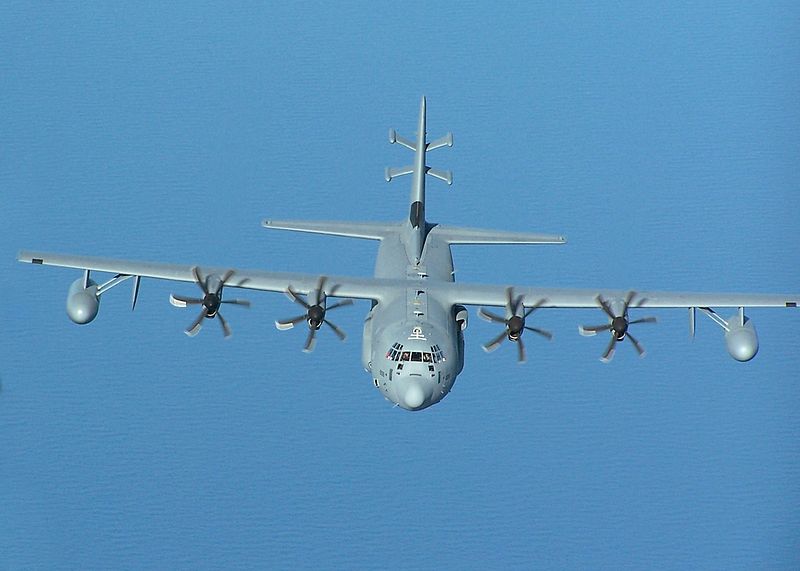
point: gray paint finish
(415, 298)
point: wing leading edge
(495, 295)
(358, 288)
(453, 293)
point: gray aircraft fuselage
(418, 326)
(413, 345)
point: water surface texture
(662, 141)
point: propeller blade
(194, 328)
(491, 317)
(315, 312)
(536, 306)
(622, 324)
(609, 354)
(226, 330)
(544, 333)
(514, 323)
(285, 324)
(589, 330)
(628, 300)
(228, 275)
(296, 298)
(200, 281)
(510, 299)
(182, 301)
(495, 343)
(343, 303)
(320, 293)
(242, 302)
(518, 304)
(339, 333)
(636, 344)
(605, 307)
(310, 340)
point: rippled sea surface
(662, 142)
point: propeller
(617, 325)
(514, 323)
(315, 313)
(212, 299)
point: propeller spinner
(618, 326)
(514, 323)
(211, 301)
(315, 314)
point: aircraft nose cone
(414, 396)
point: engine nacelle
(82, 304)
(741, 340)
(461, 316)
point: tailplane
(366, 230)
(414, 232)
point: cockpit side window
(438, 355)
(393, 354)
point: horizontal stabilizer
(459, 235)
(367, 230)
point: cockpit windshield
(396, 353)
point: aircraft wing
(495, 295)
(377, 289)
(350, 287)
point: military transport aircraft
(413, 345)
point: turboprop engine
(741, 339)
(83, 301)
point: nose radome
(414, 396)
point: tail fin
(419, 169)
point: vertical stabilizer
(416, 217)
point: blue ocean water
(662, 141)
